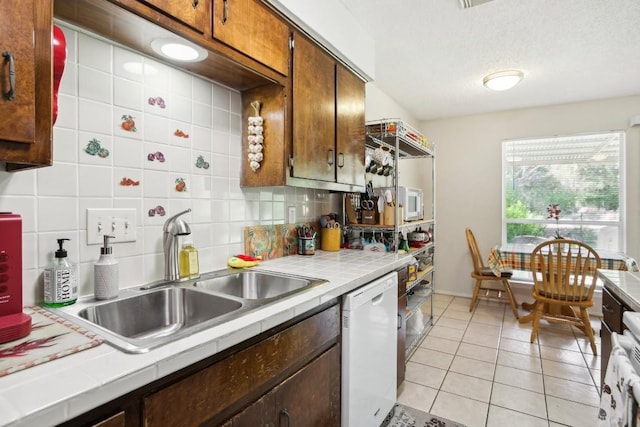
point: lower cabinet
(289, 376)
(612, 310)
(310, 397)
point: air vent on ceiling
(466, 4)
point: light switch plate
(120, 223)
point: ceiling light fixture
(178, 49)
(503, 80)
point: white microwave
(412, 201)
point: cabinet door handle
(225, 11)
(399, 321)
(330, 157)
(195, 4)
(11, 93)
(340, 160)
(287, 416)
(607, 309)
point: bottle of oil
(188, 261)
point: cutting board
(51, 337)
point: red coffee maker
(14, 323)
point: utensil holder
(330, 239)
(369, 217)
(389, 215)
(306, 246)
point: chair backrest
(478, 264)
(564, 270)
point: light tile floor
(479, 368)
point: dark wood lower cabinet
(310, 397)
(612, 311)
(288, 376)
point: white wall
(327, 21)
(379, 105)
(468, 173)
(95, 92)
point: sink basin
(156, 317)
(256, 285)
(161, 312)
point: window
(582, 174)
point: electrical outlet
(120, 223)
(292, 214)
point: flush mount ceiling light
(503, 80)
(178, 49)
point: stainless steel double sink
(149, 316)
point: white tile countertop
(623, 284)
(62, 389)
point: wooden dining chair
(564, 279)
(487, 284)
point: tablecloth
(518, 257)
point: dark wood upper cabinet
(193, 13)
(26, 124)
(253, 29)
(318, 139)
(314, 112)
(350, 133)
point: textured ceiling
(431, 55)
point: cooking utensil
(367, 205)
(370, 190)
(388, 197)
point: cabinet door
(25, 127)
(261, 413)
(311, 397)
(314, 110)
(605, 349)
(190, 12)
(251, 28)
(350, 134)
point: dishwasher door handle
(377, 299)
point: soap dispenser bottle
(106, 273)
(60, 280)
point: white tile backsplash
(65, 147)
(128, 65)
(220, 120)
(127, 93)
(94, 117)
(102, 83)
(95, 181)
(94, 53)
(94, 84)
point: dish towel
(618, 403)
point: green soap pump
(60, 280)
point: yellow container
(330, 239)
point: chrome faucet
(173, 227)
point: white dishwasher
(369, 352)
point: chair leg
(537, 314)
(474, 298)
(588, 329)
(512, 299)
